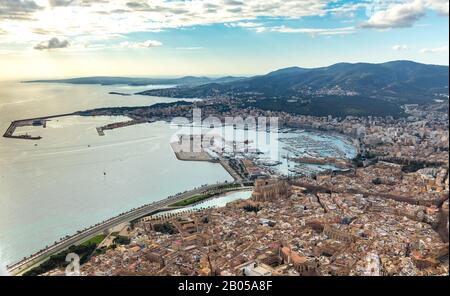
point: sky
(162, 38)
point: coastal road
(33, 260)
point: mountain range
(359, 89)
(398, 81)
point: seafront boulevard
(22, 266)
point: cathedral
(270, 190)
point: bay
(73, 178)
(59, 186)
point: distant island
(119, 93)
(102, 80)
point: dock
(39, 121)
(226, 165)
(101, 130)
(202, 155)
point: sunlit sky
(70, 38)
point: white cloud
(442, 49)
(244, 25)
(32, 21)
(346, 10)
(310, 31)
(399, 15)
(441, 6)
(145, 44)
(22, 19)
(403, 13)
(400, 47)
(260, 29)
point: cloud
(244, 25)
(260, 29)
(65, 3)
(441, 6)
(17, 9)
(53, 43)
(41, 31)
(310, 31)
(400, 47)
(346, 9)
(233, 2)
(401, 15)
(145, 44)
(58, 3)
(94, 18)
(404, 14)
(98, 17)
(442, 49)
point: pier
(100, 131)
(184, 151)
(12, 128)
(115, 125)
(226, 165)
(39, 121)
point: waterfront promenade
(38, 258)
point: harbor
(245, 155)
(34, 122)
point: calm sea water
(58, 187)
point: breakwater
(39, 121)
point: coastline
(96, 229)
(37, 258)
